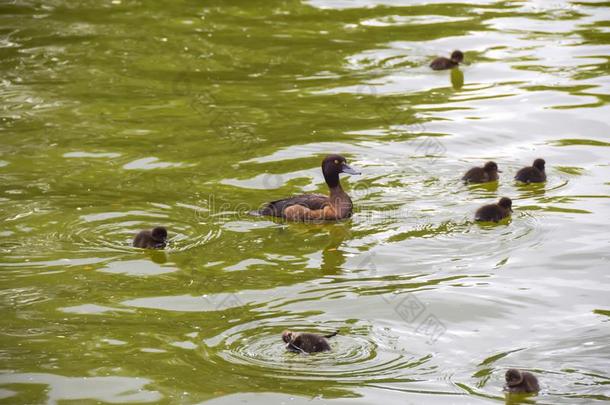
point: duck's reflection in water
(157, 256)
(333, 258)
(531, 190)
(519, 399)
(457, 79)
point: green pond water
(121, 115)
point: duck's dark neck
(332, 180)
(334, 186)
(339, 200)
(337, 193)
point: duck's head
(507, 203)
(513, 377)
(287, 336)
(539, 164)
(332, 166)
(457, 56)
(159, 234)
(491, 167)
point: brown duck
(309, 207)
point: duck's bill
(349, 170)
(499, 171)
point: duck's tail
(332, 334)
(266, 209)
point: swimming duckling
(443, 63)
(306, 342)
(495, 212)
(315, 206)
(155, 238)
(532, 174)
(489, 172)
(521, 382)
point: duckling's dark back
(532, 174)
(442, 63)
(311, 343)
(155, 238)
(492, 212)
(479, 175)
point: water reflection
(103, 389)
(488, 189)
(157, 256)
(333, 258)
(515, 399)
(457, 78)
(530, 190)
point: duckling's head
(491, 167)
(457, 56)
(513, 377)
(332, 165)
(506, 202)
(287, 336)
(539, 164)
(159, 234)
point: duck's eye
(336, 162)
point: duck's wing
(442, 64)
(476, 174)
(486, 213)
(522, 174)
(528, 174)
(141, 239)
(311, 201)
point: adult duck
(313, 207)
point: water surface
(121, 115)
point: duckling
(484, 174)
(443, 63)
(532, 174)
(495, 212)
(521, 382)
(315, 206)
(306, 342)
(155, 238)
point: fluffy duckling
(495, 212)
(521, 382)
(484, 174)
(443, 63)
(155, 238)
(306, 342)
(309, 207)
(532, 174)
